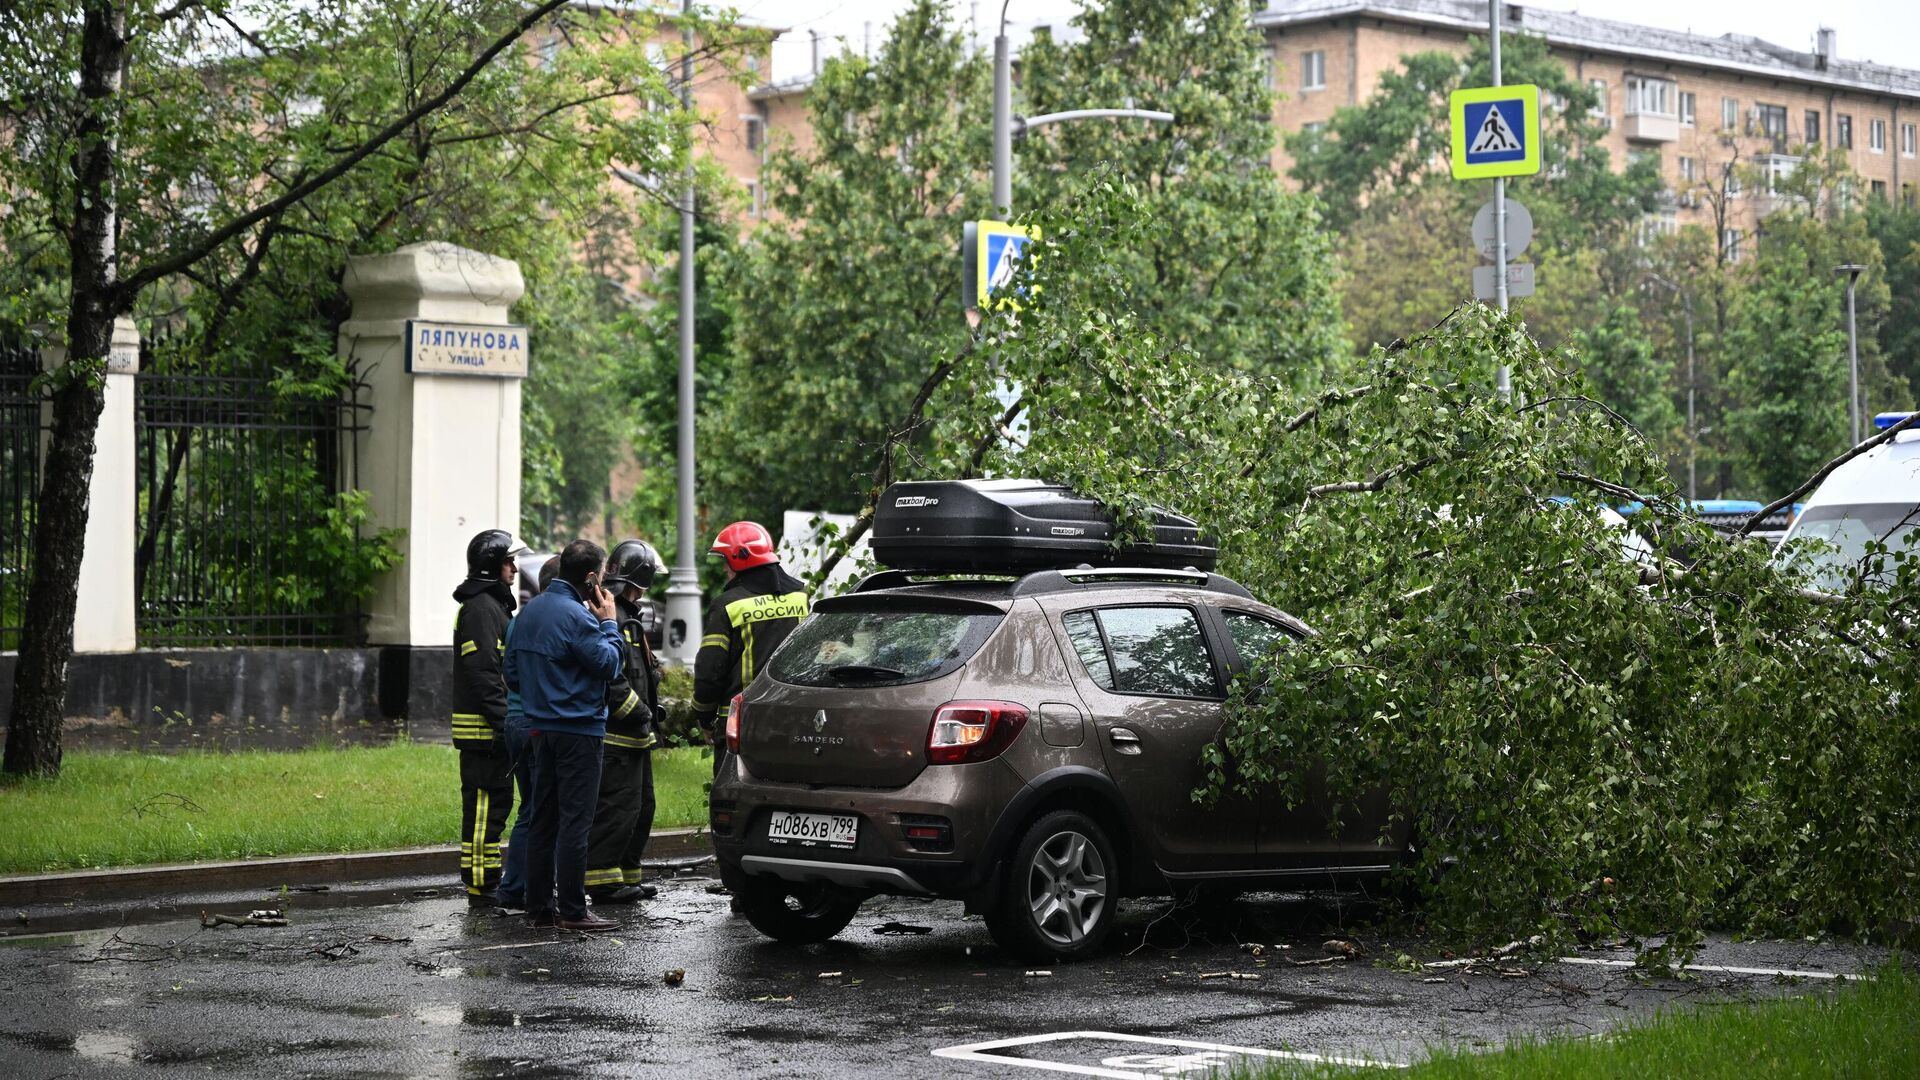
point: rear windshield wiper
(865, 671)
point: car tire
(1058, 899)
(799, 913)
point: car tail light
(734, 719)
(965, 731)
(720, 818)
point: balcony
(1652, 127)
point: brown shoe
(592, 924)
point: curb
(138, 882)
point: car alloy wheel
(1066, 888)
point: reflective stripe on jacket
(745, 625)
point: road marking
(1592, 961)
(1720, 969)
(1199, 1058)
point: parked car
(1874, 497)
(1026, 743)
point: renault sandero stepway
(1025, 742)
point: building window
(1730, 244)
(1813, 127)
(1314, 125)
(1843, 131)
(1687, 172)
(1731, 176)
(1773, 121)
(1599, 88)
(1906, 194)
(756, 133)
(1655, 225)
(1686, 107)
(1877, 136)
(1880, 190)
(1777, 167)
(1313, 70)
(1729, 113)
(1272, 62)
(1907, 140)
(1649, 97)
(756, 199)
(549, 53)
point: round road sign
(1519, 229)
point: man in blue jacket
(566, 647)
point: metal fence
(23, 424)
(236, 492)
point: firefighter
(486, 602)
(623, 816)
(760, 606)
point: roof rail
(1048, 581)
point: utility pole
(1503, 381)
(683, 581)
(1004, 123)
(1852, 270)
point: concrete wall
(252, 698)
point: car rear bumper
(970, 798)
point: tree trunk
(59, 532)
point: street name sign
(1519, 281)
(443, 348)
(1519, 229)
(990, 257)
(1495, 131)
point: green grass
(1864, 1029)
(125, 809)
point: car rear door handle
(1124, 740)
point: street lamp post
(683, 580)
(1852, 270)
(1693, 430)
(1006, 125)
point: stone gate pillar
(103, 621)
(431, 337)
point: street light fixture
(1006, 125)
(1852, 270)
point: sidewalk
(134, 882)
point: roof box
(1019, 526)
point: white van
(1876, 496)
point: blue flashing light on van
(1885, 420)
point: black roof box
(1018, 526)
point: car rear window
(890, 647)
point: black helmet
(633, 562)
(487, 552)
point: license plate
(811, 830)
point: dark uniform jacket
(745, 624)
(479, 642)
(633, 697)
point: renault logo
(820, 720)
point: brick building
(1697, 103)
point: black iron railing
(237, 487)
(23, 425)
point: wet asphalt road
(374, 981)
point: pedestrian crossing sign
(1496, 131)
(997, 257)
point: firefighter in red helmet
(760, 606)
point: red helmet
(745, 544)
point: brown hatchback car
(1028, 745)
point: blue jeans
(512, 890)
(566, 782)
